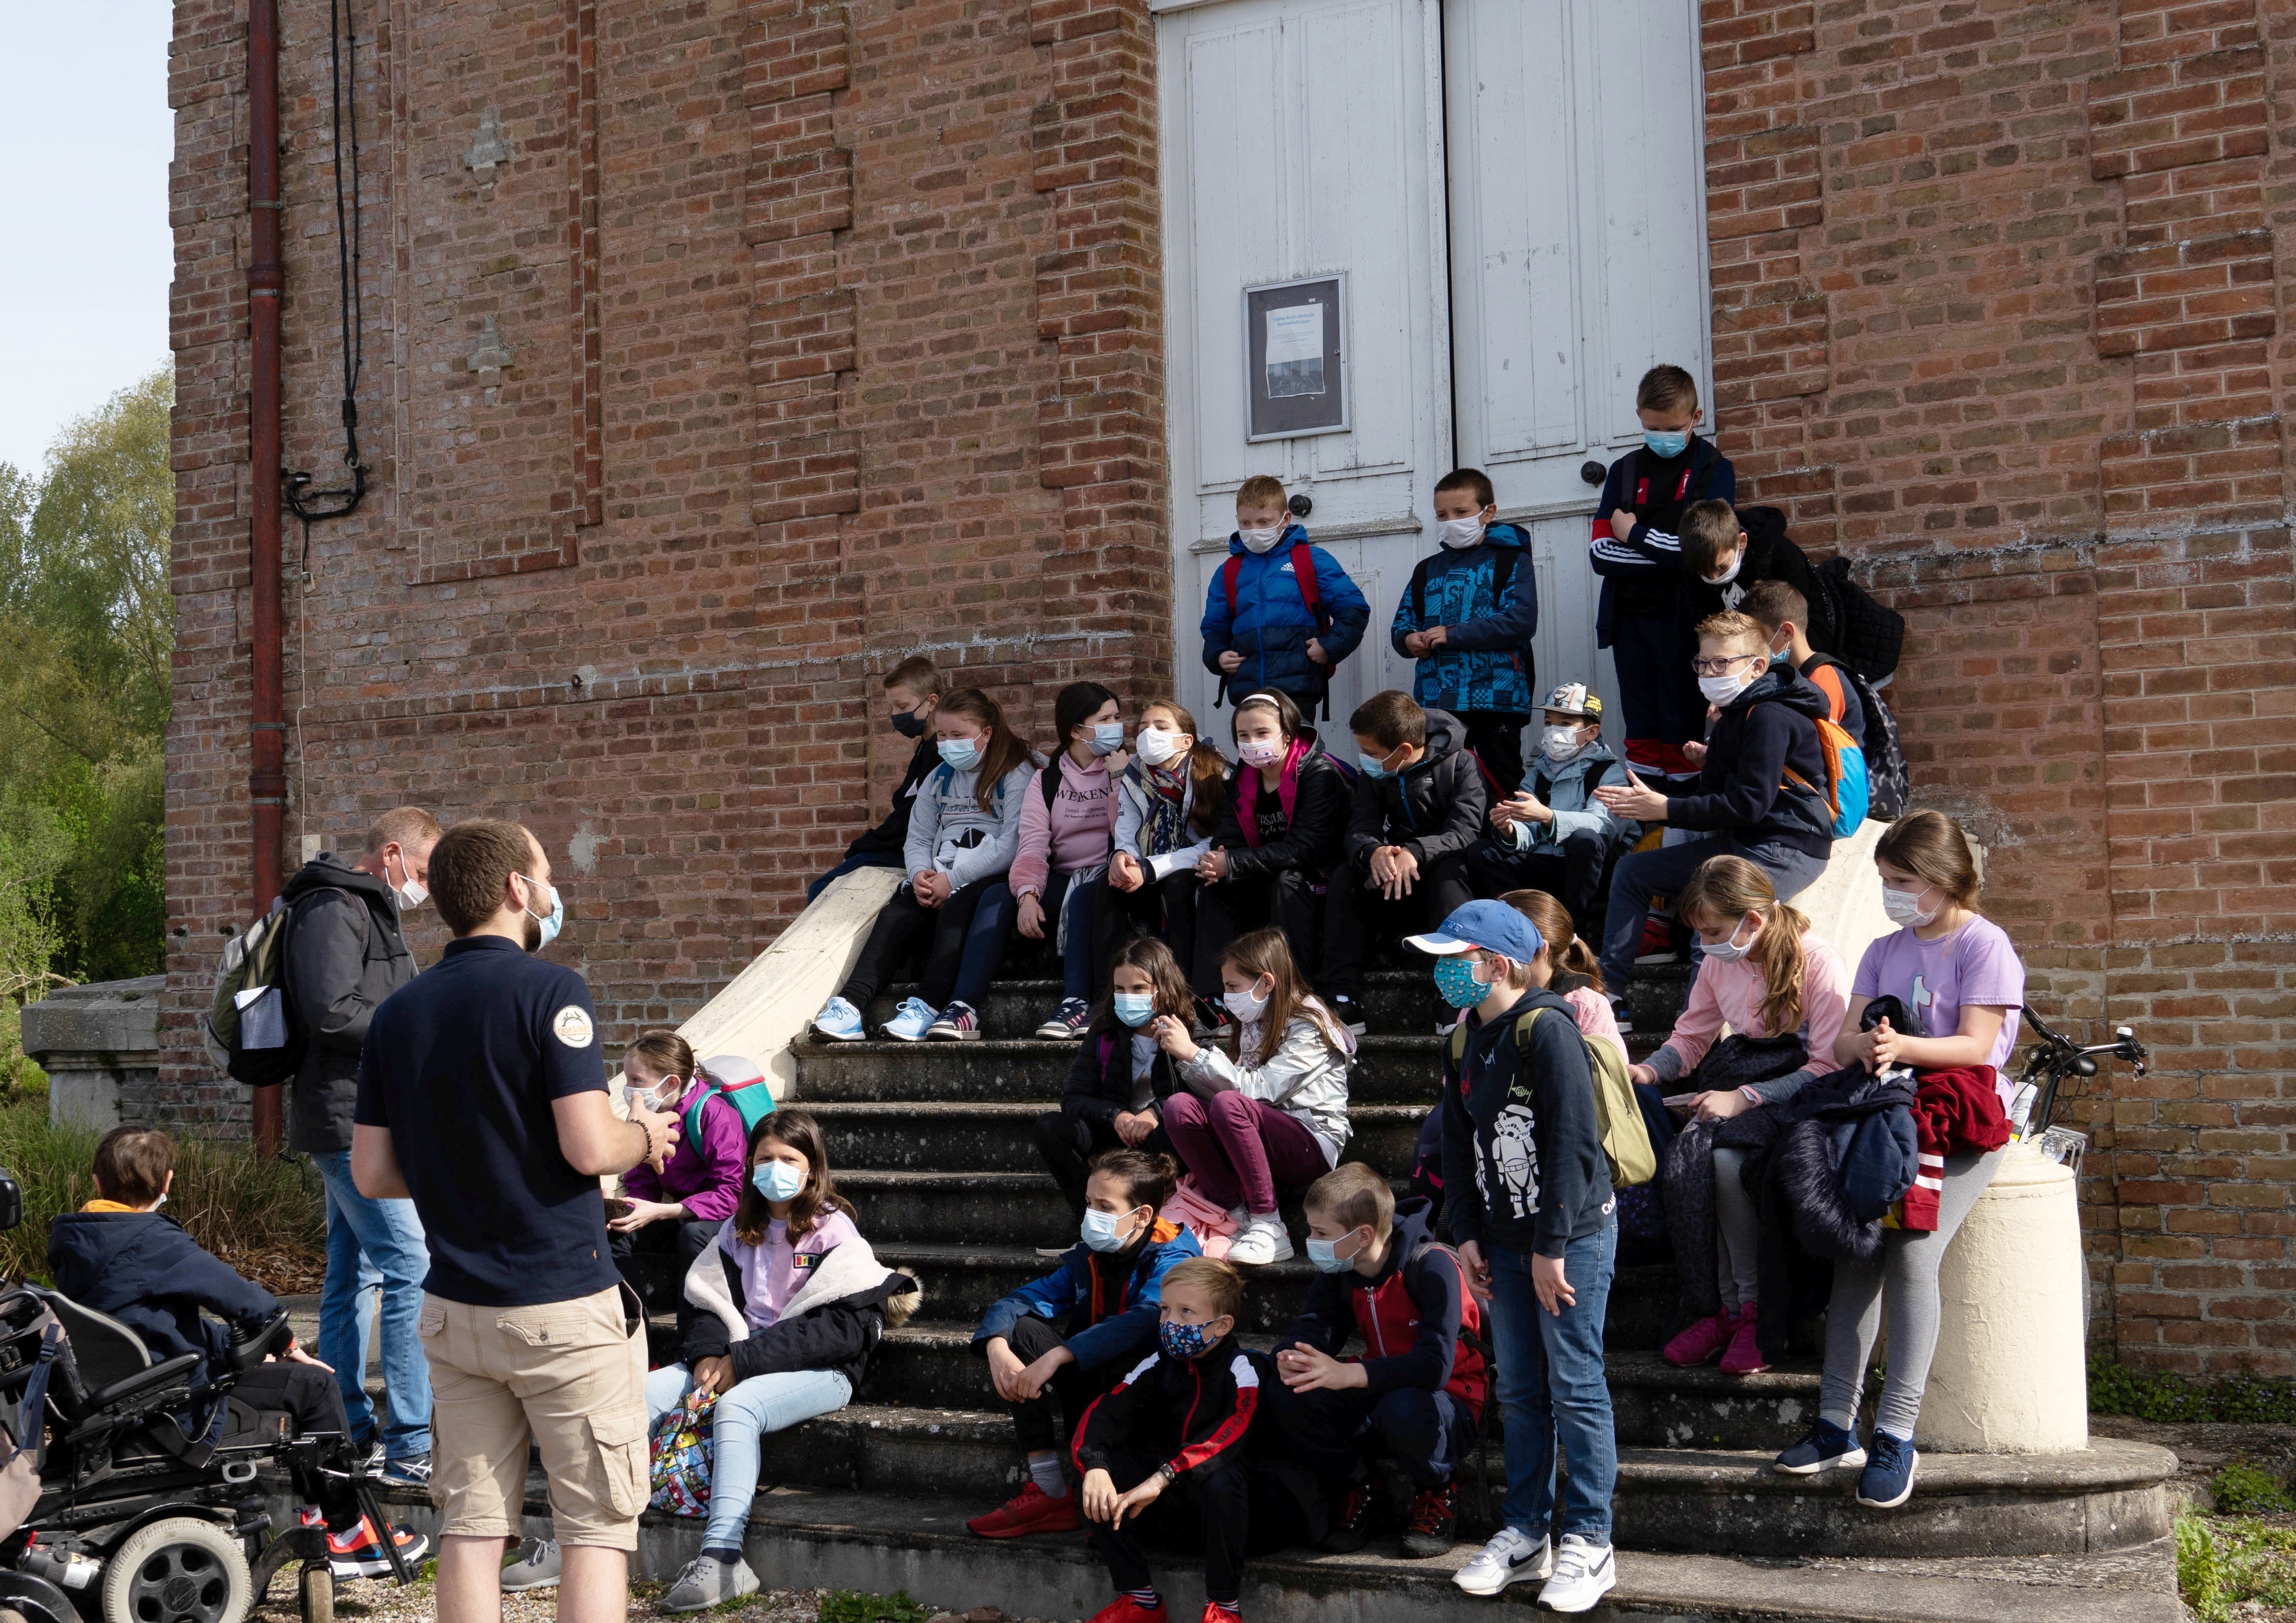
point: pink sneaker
(1744, 1357)
(1700, 1342)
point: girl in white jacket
(1169, 800)
(1273, 1117)
(964, 829)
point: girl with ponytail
(678, 1209)
(1576, 976)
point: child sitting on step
(1169, 803)
(1782, 990)
(1072, 1334)
(1118, 1086)
(1273, 1115)
(792, 1302)
(1067, 821)
(1962, 987)
(679, 1210)
(1174, 1440)
(964, 829)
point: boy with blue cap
(1528, 1200)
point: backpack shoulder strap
(1701, 471)
(1502, 568)
(1419, 589)
(1229, 570)
(1489, 779)
(1303, 574)
(1048, 781)
(1458, 1041)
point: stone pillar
(100, 1045)
(2010, 1375)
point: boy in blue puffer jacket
(1468, 617)
(1260, 627)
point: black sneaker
(1351, 1527)
(1619, 1012)
(1212, 1018)
(1350, 1013)
(1434, 1522)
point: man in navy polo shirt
(482, 1095)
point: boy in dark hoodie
(1073, 1333)
(1552, 834)
(1762, 791)
(1527, 1195)
(119, 1256)
(1416, 1393)
(1262, 628)
(913, 690)
(1468, 617)
(1418, 803)
(1181, 1422)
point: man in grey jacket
(345, 954)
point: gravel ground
(371, 1601)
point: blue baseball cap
(1493, 926)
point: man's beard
(533, 932)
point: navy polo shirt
(461, 1064)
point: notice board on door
(1295, 376)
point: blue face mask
(777, 1180)
(1665, 445)
(1186, 1341)
(1456, 982)
(1107, 737)
(552, 921)
(960, 753)
(1371, 765)
(1103, 1231)
(1135, 1008)
(1325, 1254)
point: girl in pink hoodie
(1068, 825)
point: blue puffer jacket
(1271, 626)
(1485, 662)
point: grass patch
(2165, 1395)
(266, 1219)
(853, 1606)
(2220, 1565)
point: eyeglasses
(1721, 667)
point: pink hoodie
(1078, 831)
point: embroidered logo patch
(572, 1027)
(803, 1261)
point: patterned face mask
(1456, 982)
(1187, 1340)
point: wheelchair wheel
(179, 1571)
(314, 1593)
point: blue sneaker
(911, 1021)
(839, 1021)
(1889, 1480)
(1827, 1446)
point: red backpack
(1303, 573)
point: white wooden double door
(1514, 191)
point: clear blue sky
(84, 250)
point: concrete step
(957, 1137)
(909, 1541)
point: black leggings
(1073, 1385)
(1243, 1507)
(1068, 1142)
(1285, 898)
(1165, 908)
(950, 970)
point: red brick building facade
(717, 353)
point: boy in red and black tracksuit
(1181, 1425)
(1416, 1393)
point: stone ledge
(117, 1020)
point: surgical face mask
(1104, 1230)
(1261, 752)
(777, 1180)
(1134, 1008)
(1156, 746)
(1186, 1341)
(964, 754)
(1721, 690)
(1561, 743)
(1455, 983)
(546, 924)
(1325, 1254)
(411, 892)
(1729, 951)
(908, 725)
(1459, 534)
(1107, 737)
(1738, 562)
(1246, 1006)
(1666, 443)
(1779, 656)
(1372, 765)
(660, 1096)
(1905, 907)
(1261, 540)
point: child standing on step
(1168, 802)
(1120, 1080)
(793, 1303)
(1273, 1115)
(1781, 991)
(1280, 613)
(1180, 1425)
(964, 832)
(1072, 1334)
(1529, 1202)
(1961, 986)
(1068, 822)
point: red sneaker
(1032, 1510)
(359, 1553)
(1124, 1609)
(1701, 1341)
(1214, 1612)
(1658, 942)
(1744, 1357)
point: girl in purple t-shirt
(1962, 986)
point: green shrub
(853, 1606)
(2242, 1398)
(2219, 1565)
(2245, 1488)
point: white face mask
(1561, 743)
(1459, 534)
(1722, 690)
(1738, 562)
(1905, 907)
(1156, 746)
(1261, 540)
(412, 893)
(1246, 1006)
(1729, 951)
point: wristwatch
(1167, 1473)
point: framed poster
(1295, 378)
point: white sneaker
(1263, 1241)
(1513, 1556)
(1584, 1573)
(839, 1021)
(911, 1021)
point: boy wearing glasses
(1761, 792)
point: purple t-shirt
(1975, 965)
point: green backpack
(1626, 1141)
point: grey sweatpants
(1737, 1231)
(1903, 1277)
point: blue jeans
(373, 1243)
(755, 1406)
(1062, 890)
(867, 859)
(1551, 1389)
(1642, 874)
